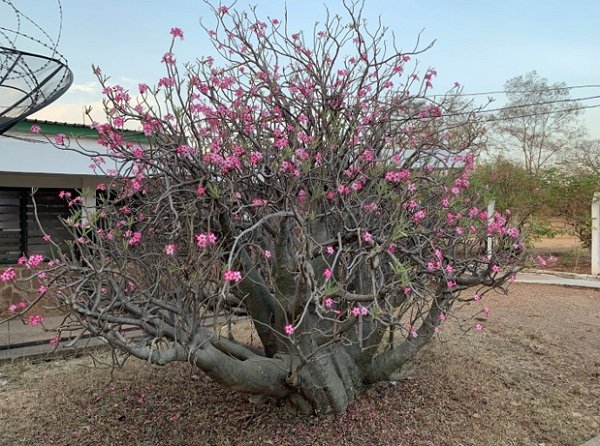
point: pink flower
(330, 250)
(35, 319)
(47, 237)
(8, 275)
(162, 82)
(442, 317)
(451, 284)
(513, 232)
(476, 297)
(541, 262)
(232, 276)
(177, 32)
(419, 215)
(59, 139)
(170, 249)
(55, 340)
(327, 274)
(135, 238)
(255, 157)
(223, 9)
(359, 311)
(168, 58)
(289, 329)
(267, 254)
(200, 191)
(13, 308)
(495, 268)
(204, 240)
(486, 311)
(35, 128)
(329, 303)
(143, 88)
(35, 260)
(479, 327)
(367, 237)
(42, 289)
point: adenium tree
(306, 183)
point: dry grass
(531, 378)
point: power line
(532, 104)
(508, 118)
(536, 90)
(537, 104)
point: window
(19, 230)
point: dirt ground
(532, 377)
(572, 256)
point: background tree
(586, 157)
(309, 183)
(539, 121)
(512, 187)
(570, 196)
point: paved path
(564, 279)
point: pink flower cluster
(232, 276)
(359, 311)
(396, 176)
(35, 260)
(177, 32)
(35, 319)
(19, 306)
(204, 240)
(8, 275)
(135, 238)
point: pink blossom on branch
(232, 276)
(8, 275)
(177, 32)
(35, 319)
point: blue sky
(480, 43)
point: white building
(31, 163)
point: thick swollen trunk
(326, 385)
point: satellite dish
(29, 80)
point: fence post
(596, 234)
(490, 240)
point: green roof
(71, 130)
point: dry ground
(532, 377)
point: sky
(479, 43)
